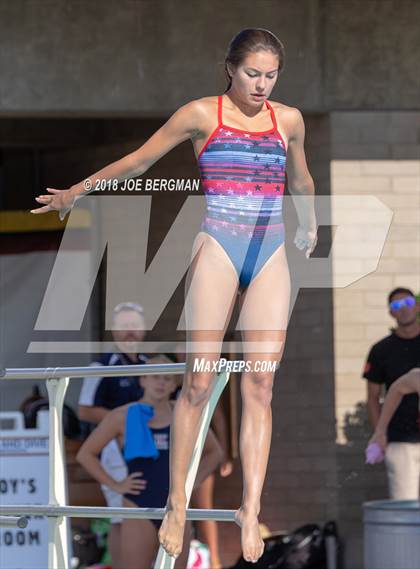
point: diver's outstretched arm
(183, 124)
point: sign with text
(24, 480)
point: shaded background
(83, 83)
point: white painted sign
(24, 480)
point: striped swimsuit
(243, 176)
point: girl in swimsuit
(142, 430)
(241, 142)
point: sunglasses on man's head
(407, 301)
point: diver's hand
(306, 239)
(60, 200)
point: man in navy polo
(99, 395)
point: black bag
(305, 550)
(85, 547)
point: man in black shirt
(388, 360)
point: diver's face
(254, 78)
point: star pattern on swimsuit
(256, 171)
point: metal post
(58, 546)
(163, 560)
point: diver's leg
(211, 293)
(263, 323)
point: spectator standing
(142, 432)
(388, 360)
(100, 395)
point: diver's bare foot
(171, 533)
(252, 544)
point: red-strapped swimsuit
(243, 177)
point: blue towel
(139, 441)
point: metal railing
(57, 380)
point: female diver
(240, 140)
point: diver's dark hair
(252, 40)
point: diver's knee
(198, 388)
(258, 386)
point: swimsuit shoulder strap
(219, 110)
(272, 113)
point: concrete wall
(148, 58)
